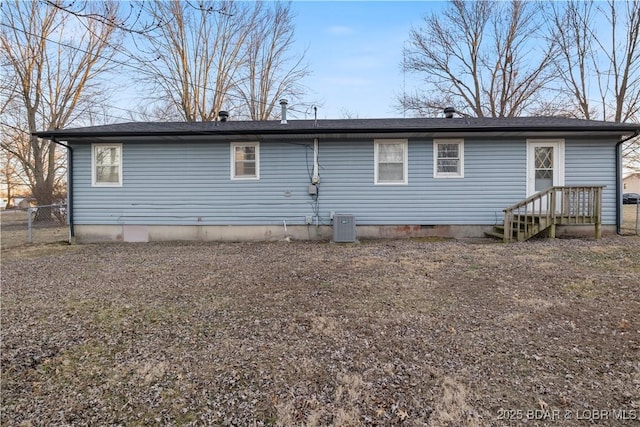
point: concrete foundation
(236, 233)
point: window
(390, 161)
(245, 160)
(543, 167)
(448, 158)
(106, 165)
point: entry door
(545, 165)
(545, 168)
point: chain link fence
(39, 224)
(631, 219)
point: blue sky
(354, 51)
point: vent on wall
(344, 228)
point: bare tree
(198, 51)
(158, 111)
(600, 70)
(631, 155)
(55, 70)
(132, 22)
(9, 174)
(270, 72)
(624, 59)
(485, 58)
(11, 177)
(12, 135)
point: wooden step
(521, 235)
(556, 205)
(515, 234)
(495, 234)
(498, 232)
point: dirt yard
(389, 332)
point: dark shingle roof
(346, 126)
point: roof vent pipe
(449, 112)
(283, 115)
(223, 115)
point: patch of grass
(80, 306)
(585, 288)
(37, 250)
(430, 239)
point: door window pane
(544, 179)
(543, 168)
(544, 157)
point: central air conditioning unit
(344, 228)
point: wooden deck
(549, 208)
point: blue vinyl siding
(589, 162)
(348, 184)
(189, 183)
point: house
(21, 202)
(631, 183)
(263, 180)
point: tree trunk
(52, 82)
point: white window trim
(405, 161)
(437, 174)
(93, 165)
(233, 161)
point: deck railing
(564, 205)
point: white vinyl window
(390, 157)
(448, 158)
(245, 160)
(106, 165)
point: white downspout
(315, 180)
(316, 177)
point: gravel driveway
(387, 332)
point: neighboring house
(631, 183)
(21, 202)
(265, 180)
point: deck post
(552, 215)
(507, 226)
(598, 209)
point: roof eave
(62, 135)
